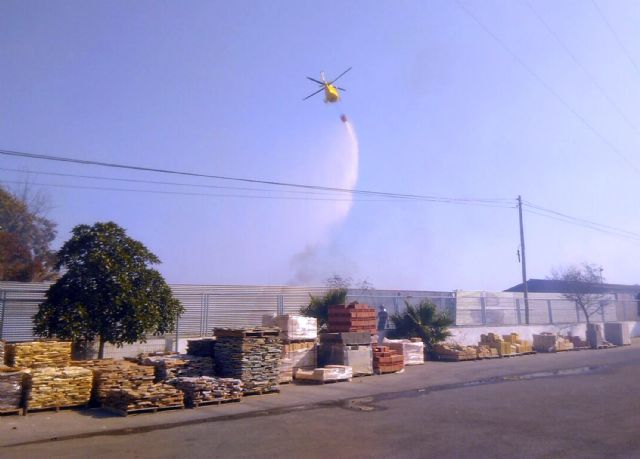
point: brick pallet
(352, 318)
(386, 360)
(53, 387)
(36, 354)
(251, 355)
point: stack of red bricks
(352, 318)
(386, 360)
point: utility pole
(524, 264)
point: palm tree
(423, 321)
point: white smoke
(318, 261)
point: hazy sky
(476, 99)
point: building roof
(560, 286)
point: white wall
(468, 336)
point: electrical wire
(548, 87)
(248, 180)
(589, 75)
(246, 196)
(617, 37)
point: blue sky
(469, 99)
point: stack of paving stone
(2, 347)
(550, 342)
(205, 389)
(455, 352)
(36, 354)
(113, 375)
(149, 397)
(51, 387)
(251, 355)
(386, 360)
(204, 347)
(172, 366)
(495, 341)
(578, 343)
(352, 318)
(11, 383)
(485, 352)
(297, 355)
(521, 346)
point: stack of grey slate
(206, 389)
(172, 366)
(204, 347)
(251, 355)
(11, 383)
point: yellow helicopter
(331, 92)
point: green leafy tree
(423, 321)
(25, 238)
(108, 291)
(318, 306)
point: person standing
(383, 319)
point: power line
(547, 86)
(247, 196)
(616, 36)
(248, 180)
(583, 68)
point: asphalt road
(577, 404)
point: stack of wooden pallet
(51, 387)
(172, 366)
(251, 355)
(204, 347)
(11, 380)
(36, 354)
(203, 390)
(352, 318)
(455, 352)
(386, 360)
(149, 397)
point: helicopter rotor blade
(341, 89)
(316, 81)
(311, 95)
(336, 78)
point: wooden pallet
(10, 411)
(319, 383)
(273, 390)
(258, 332)
(215, 402)
(28, 410)
(152, 409)
(453, 358)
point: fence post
(2, 312)
(550, 309)
(483, 310)
(177, 331)
(280, 306)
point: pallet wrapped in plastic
(293, 327)
(297, 355)
(358, 356)
(11, 384)
(330, 373)
(413, 351)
